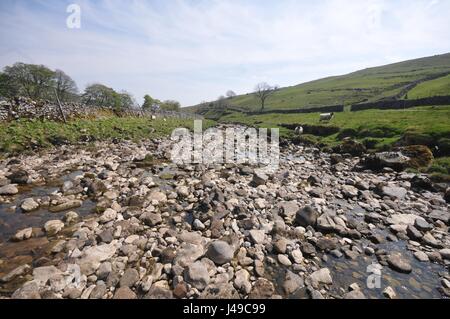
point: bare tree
(263, 91)
(230, 94)
(66, 88)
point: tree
(125, 100)
(263, 91)
(100, 95)
(7, 89)
(31, 80)
(230, 94)
(65, 87)
(151, 103)
(148, 102)
(170, 105)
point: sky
(196, 50)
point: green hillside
(437, 87)
(394, 80)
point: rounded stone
(220, 252)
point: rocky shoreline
(119, 220)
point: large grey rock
(29, 205)
(188, 253)
(129, 278)
(108, 215)
(151, 219)
(52, 227)
(307, 216)
(413, 233)
(19, 177)
(349, 191)
(124, 293)
(257, 236)
(292, 282)
(398, 263)
(289, 209)
(321, 276)
(394, 160)
(441, 215)
(445, 253)
(259, 179)
(93, 256)
(23, 234)
(71, 204)
(9, 190)
(16, 272)
(220, 252)
(29, 290)
(355, 294)
(197, 275)
(242, 281)
(393, 192)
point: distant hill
(417, 78)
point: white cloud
(193, 51)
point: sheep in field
(325, 117)
(299, 130)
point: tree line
(38, 82)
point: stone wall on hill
(402, 104)
(24, 108)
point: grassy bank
(23, 135)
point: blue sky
(197, 50)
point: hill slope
(373, 84)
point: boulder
(71, 204)
(124, 293)
(321, 276)
(259, 179)
(129, 278)
(398, 263)
(52, 227)
(257, 236)
(378, 161)
(349, 191)
(9, 190)
(197, 275)
(307, 216)
(23, 234)
(220, 252)
(292, 282)
(29, 205)
(18, 177)
(151, 219)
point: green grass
(25, 135)
(366, 85)
(437, 87)
(440, 169)
(381, 127)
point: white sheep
(326, 117)
(299, 130)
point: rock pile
(168, 231)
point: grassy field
(366, 85)
(437, 87)
(26, 135)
